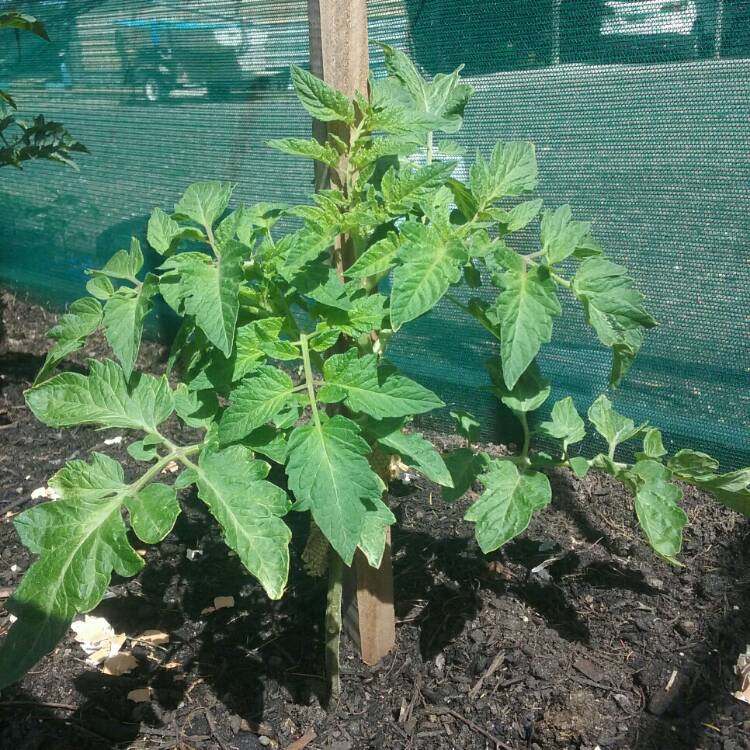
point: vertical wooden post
(339, 55)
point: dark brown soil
(606, 646)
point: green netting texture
(640, 110)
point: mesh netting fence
(640, 110)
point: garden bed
(605, 645)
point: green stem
(429, 147)
(526, 436)
(481, 322)
(560, 280)
(309, 380)
(333, 623)
(175, 453)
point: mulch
(574, 635)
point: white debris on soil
(97, 638)
(171, 468)
(220, 602)
(153, 638)
(742, 669)
(114, 440)
(140, 695)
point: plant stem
(429, 147)
(526, 436)
(175, 453)
(309, 381)
(560, 280)
(333, 621)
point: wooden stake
(339, 55)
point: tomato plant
(281, 359)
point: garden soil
(572, 636)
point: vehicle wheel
(152, 89)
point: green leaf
(614, 309)
(419, 453)
(248, 508)
(656, 505)
(103, 397)
(700, 469)
(524, 311)
(372, 540)
(329, 475)
(464, 467)
(511, 171)
(612, 426)
(528, 394)
(732, 489)
(505, 508)
(693, 466)
(430, 264)
(141, 450)
(195, 408)
(258, 340)
(123, 264)
(319, 99)
(379, 391)
(80, 540)
(205, 202)
(308, 148)
(269, 441)
(466, 425)
(566, 424)
(523, 214)
(580, 466)
(70, 333)
(124, 314)
(560, 234)
(402, 189)
(153, 512)
(208, 290)
(100, 287)
(653, 446)
(161, 232)
(258, 398)
(379, 258)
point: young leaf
(70, 333)
(614, 309)
(523, 214)
(248, 508)
(208, 290)
(123, 264)
(560, 234)
(419, 453)
(259, 398)
(464, 466)
(430, 264)
(653, 447)
(319, 99)
(379, 258)
(580, 466)
(329, 475)
(308, 148)
(161, 232)
(380, 392)
(80, 540)
(656, 505)
(401, 190)
(466, 425)
(505, 508)
(693, 466)
(524, 310)
(153, 512)
(511, 171)
(102, 397)
(566, 424)
(528, 394)
(205, 202)
(124, 314)
(612, 426)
